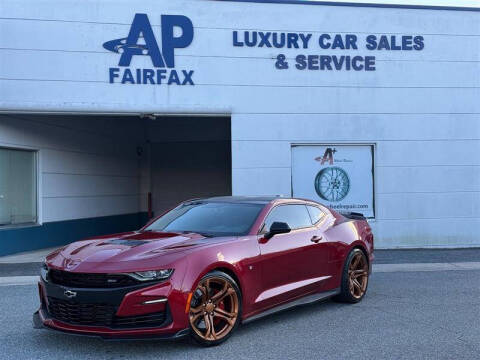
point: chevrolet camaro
(204, 267)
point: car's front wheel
(354, 277)
(215, 309)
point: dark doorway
(190, 157)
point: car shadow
(63, 342)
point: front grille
(84, 280)
(74, 313)
(81, 314)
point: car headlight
(152, 275)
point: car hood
(133, 251)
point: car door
(292, 264)
(324, 247)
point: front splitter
(38, 323)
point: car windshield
(209, 218)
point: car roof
(247, 199)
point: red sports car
(204, 267)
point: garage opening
(190, 157)
(68, 177)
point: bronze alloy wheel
(358, 275)
(214, 309)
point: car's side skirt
(301, 301)
(267, 294)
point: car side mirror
(277, 228)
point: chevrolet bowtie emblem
(70, 294)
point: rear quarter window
(316, 214)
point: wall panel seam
(232, 28)
(89, 196)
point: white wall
(420, 108)
(87, 167)
(427, 168)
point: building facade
(112, 112)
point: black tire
(215, 276)
(346, 295)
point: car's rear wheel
(215, 309)
(354, 277)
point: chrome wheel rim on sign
(332, 183)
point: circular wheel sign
(332, 183)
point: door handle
(316, 239)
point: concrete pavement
(405, 315)
(425, 309)
(27, 257)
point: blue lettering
(338, 42)
(369, 63)
(127, 77)
(383, 43)
(141, 26)
(322, 43)
(169, 41)
(325, 62)
(276, 42)
(251, 42)
(394, 45)
(173, 78)
(305, 39)
(161, 75)
(235, 39)
(301, 63)
(264, 39)
(407, 43)
(113, 72)
(148, 75)
(338, 62)
(371, 42)
(351, 41)
(357, 63)
(187, 77)
(312, 62)
(139, 76)
(292, 40)
(419, 45)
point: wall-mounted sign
(370, 44)
(141, 41)
(339, 176)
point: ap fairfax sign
(141, 41)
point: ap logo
(141, 41)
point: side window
(296, 216)
(18, 187)
(315, 214)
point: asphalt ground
(405, 315)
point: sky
(460, 3)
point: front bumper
(42, 321)
(119, 313)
